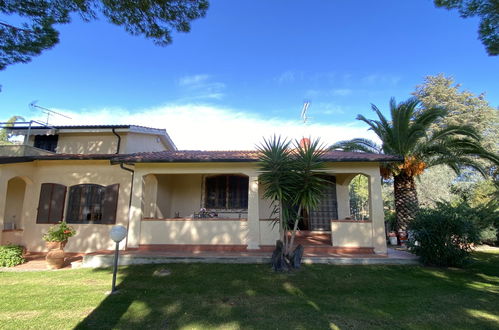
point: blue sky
(245, 69)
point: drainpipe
(119, 143)
(130, 200)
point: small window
(46, 142)
(226, 192)
(92, 203)
(51, 203)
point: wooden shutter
(51, 203)
(74, 201)
(110, 204)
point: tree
(408, 134)
(463, 108)
(36, 32)
(4, 137)
(291, 178)
(487, 10)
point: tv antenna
(304, 110)
(46, 111)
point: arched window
(358, 190)
(92, 203)
(226, 192)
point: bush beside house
(11, 255)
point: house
(98, 176)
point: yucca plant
(407, 134)
(290, 174)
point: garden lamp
(117, 234)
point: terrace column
(377, 215)
(253, 238)
(135, 211)
(3, 199)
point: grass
(215, 296)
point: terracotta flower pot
(55, 259)
(56, 245)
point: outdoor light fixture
(117, 234)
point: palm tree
(4, 138)
(407, 134)
(291, 177)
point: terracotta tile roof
(239, 156)
(189, 156)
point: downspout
(119, 143)
(130, 199)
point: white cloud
(193, 80)
(373, 79)
(286, 77)
(203, 127)
(342, 92)
(202, 86)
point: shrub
(443, 236)
(11, 255)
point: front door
(320, 218)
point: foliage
(4, 137)
(291, 178)
(154, 19)
(11, 255)
(463, 108)
(444, 236)
(407, 133)
(59, 233)
(358, 190)
(487, 11)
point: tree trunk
(406, 200)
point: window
(92, 203)
(226, 192)
(46, 142)
(51, 203)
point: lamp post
(117, 234)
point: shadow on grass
(318, 297)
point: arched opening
(16, 189)
(358, 191)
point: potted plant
(56, 239)
(392, 237)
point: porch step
(131, 258)
(308, 249)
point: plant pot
(393, 240)
(56, 245)
(55, 259)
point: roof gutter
(119, 140)
(130, 199)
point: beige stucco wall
(141, 142)
(202, 231)
(85, 143)
(269, 233)
(89, 237)
(178, 189)
(12, 237)
(14, 202)
(106, 143)
(351, 234)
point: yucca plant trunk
(406, 200)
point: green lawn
(214, 296)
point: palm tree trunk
(406, 199)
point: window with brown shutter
(92, 203)
(51, 203)
(226, 192)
